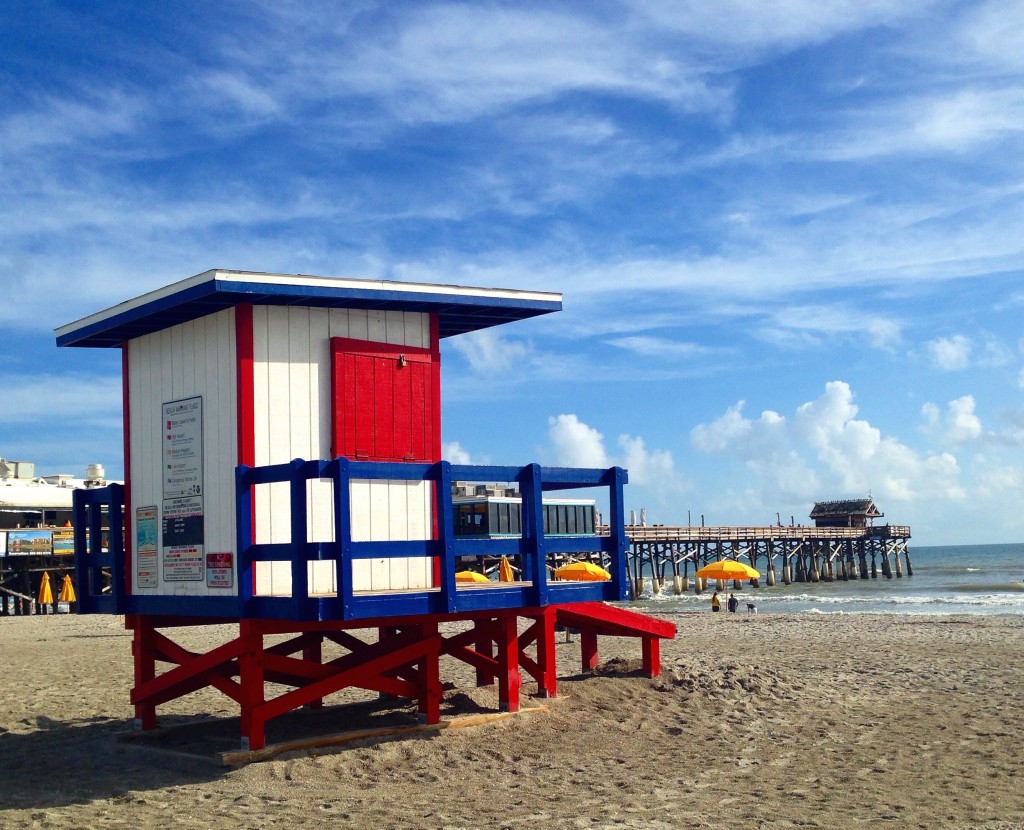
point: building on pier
(846, 513)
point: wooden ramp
(594, 618)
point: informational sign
(183, 447)
(29, 542)
(64, 542)
(147, 574)
(183, 521)
(220, 572)
(183, 564)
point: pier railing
(667, 533)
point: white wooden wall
(190, 359)
(293, 405)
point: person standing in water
(733, 603)
(716, 603)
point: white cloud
(950, 353)
(490, 352)
(455, 454)
(962, 425)
(574, 444)
(824, 446)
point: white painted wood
(188, 360)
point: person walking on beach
(716, 603)
(733, 603)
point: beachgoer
(733, 603)
(716, 603)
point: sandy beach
(762, 721)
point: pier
(669, 556)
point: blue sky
(790, 236)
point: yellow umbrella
(67, 590)
(505, 573)
(582, 572)
(727, 569)
(45, 591)
(470, 576)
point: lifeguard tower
(283, 474)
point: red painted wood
(547, 681)
(430, 690)
(246, 381)
(312, 652)
(251, 680)
(652, 656)
(588, 649)
(384, 406)
(144, 655)
(484, 635)
(509, 679)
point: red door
(386, 402)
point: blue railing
(533, 547)
(99, 568)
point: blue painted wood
(457, 312)
(448, 598)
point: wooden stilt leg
(509, 679)
(588, 650)
(143, 650)
(652, 656)
(485, 646)
(430, 678)
(547, 685)
(251, 671)
(313, 652)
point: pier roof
(845, 507)
(460, 309)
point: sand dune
(762, 721)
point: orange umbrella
(505, 573)
(45, 591)
(67, 590)
(470, 576)
(727, 569)
(582, 572)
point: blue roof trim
(458, 313)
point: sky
(789, 235)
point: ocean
(954, 579)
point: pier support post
(910, 570)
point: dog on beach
(751, 608)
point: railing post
(343, 533)
(82, 576)
(617, 531)
(115, 527)
(534, 553)
(299, 534)
(446, 535)
(244, 535)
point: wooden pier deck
(793, 553)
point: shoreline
(767, 720)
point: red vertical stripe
(246, 396)
(434, 421)
(245, 360)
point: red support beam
(250, 667)
(509, 679)
(547, 678)
(144, 652)
(588, 649)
